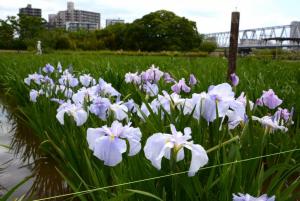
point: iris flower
(195, 105)
(283, 114)
(109, 143)
(37, 78)
(234, 79)
(167, 101)
(152, 75)
(83, 95)
(150, 89)
(181, 86)
(105, 88)
(131, 105)
(86, 80)
(247, 197)
(159, 145)
(133, 78)
(76, 111)
(67, 79)
(270, 123)
(193, 80)
(100, 107)
(269, 99)
(218, 97)
(48, 68)
(59, 67)
(34, 94)
(119, 110)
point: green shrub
(208, 46)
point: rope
(164, 176)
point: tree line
(156, 31)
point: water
(12, 168)
(24, 160)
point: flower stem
(223, 144)
(173, 169)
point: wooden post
(233, 43)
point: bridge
(287, 36)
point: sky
(210, 15)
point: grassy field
(275, 175)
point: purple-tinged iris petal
(109, 143)
(68, 93)
(150, 89)
(67, 79)
(209, 111)
(59, 67)
(176, 88)
(56, 100)
(234, 79)
(259, 102)
(131, 105)
(151, 75)
(184, 87)
(270, 99)
(92, 135)
(100, 107)
(168, 79)
(86, 80)
(109, 150)
(193, 80)
(37, 78)
(33, 95)
(221, 97)
(181, 86)
(48, 69)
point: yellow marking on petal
(177, 148)
(112, 137)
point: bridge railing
(285, 36)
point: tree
(6, 34)
(208, 46)
(30, 26)
(8, 29)
(163, 30)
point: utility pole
(233, 44)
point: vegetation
(156, 31)
(67, 144)
(208, 46)
(276, 54)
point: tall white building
(72, 19)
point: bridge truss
(266, 37)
